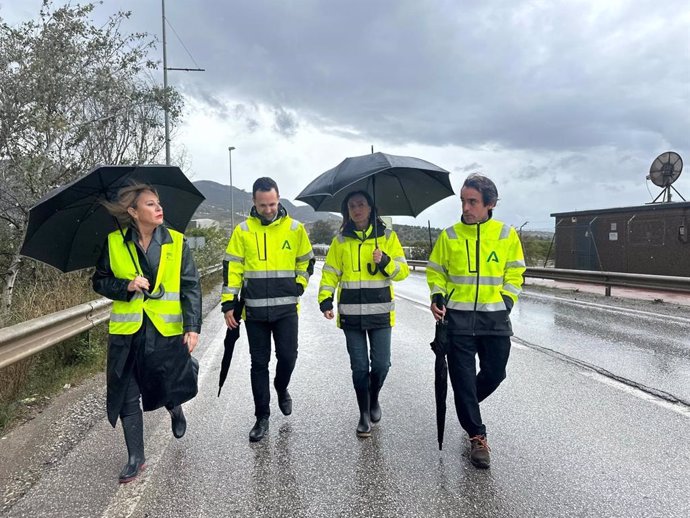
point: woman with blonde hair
(149, 273)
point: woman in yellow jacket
(362, 262)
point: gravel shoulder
(52, 430)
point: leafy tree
(72, 95)
(322, 232)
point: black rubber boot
(178, 421)
(364, 425)
(374, 407)
(133, 427)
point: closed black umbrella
(399, 185)
(68, 227)
(440, 348)
(231, 337)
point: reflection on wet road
(644, 346)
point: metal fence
(27, 338)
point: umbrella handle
(376, 269)
(155, 296)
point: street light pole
(232, 197)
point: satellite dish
(665, 170)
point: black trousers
(470, 388)
(259, 333)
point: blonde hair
(127, 197)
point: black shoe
(178, 421)
(131, 470)
(285, 402)
(260, 429)
(479, 452)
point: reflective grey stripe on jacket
(469, 306)
(437, 267)
(332, 269)
(274, 301)
(472, 279)
(244, 226)
(329, 289)
(270, 274)
(232, 291)
(305, 257)
(516, 264)
(126, 317)
(505, 232)
(366, 309)
(233, 258)
(356, 285)
(512, 289)
(170, 319)
(450, 232)
(171, 295)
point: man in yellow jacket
(269, 260)
(475, 276)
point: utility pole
(232, 197)
(165, 86)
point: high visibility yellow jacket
(365, 299)
(480, 268)
(270, 263)
(165, 313)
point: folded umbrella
(440, 348)
(231, 337)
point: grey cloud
(285, 122)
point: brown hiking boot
(479, 452)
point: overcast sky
(564, 103)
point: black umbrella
(231, 337)
(68, 227)
(439, 346)
(399, 185)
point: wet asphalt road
(566, 441)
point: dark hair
(484, 185)
(345, 212)
(264, 184)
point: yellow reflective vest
(271, 264)
(165, 313)
(365, 299)
(480, 268)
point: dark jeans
(259, 333)
(379, 351)
(470, 388)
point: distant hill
(217, 205)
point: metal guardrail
(28, 338)
(606, 279)
(615, 279)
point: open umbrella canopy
(400, 185)
(68, 227)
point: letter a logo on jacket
(492, 257)
(286, 244)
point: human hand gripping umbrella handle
(157, 295)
